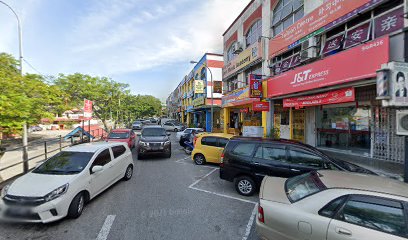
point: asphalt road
(165, 199)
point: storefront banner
(246, 57)
(255, 85)
(198, 101)
(189, 108)
(333, 44)
(198, 86)
(328, 12)
(260, 106)
(357, 63)
(244, 110)
(398, 84)
(238, 98)
(357, 35)
(333, 97)
(389, 22)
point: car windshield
(153, 132)
(118, 135)
(188, 131)
(65, 163)
(137, 122)
(302, 186)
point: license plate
(21, 211)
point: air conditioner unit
(308, 54)
(402, 122)
(311, 42)
(237, 48)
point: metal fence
(14, 162)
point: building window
(254, 32)
(230, 53)
(202, 73)
(285, 14)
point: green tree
(24, 99)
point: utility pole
(20, 48)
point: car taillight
(222, 160)
(261, 214)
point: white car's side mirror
(96, 169)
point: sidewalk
(390, 169)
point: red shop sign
(244, 110)
(320, 17)
(255, 86)
(338, 96)
(260, 106)
(351, 65)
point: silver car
(332, 205)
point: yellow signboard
(246, 57)
(198, 101)
(198, 86)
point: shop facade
(323, 91)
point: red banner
(260, 106)
(321, 16)
(255, 86)
(87, 109)
(338, 96)
(351, 65)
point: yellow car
(208, 147)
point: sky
(147, 44)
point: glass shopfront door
(298, 125)
(346, 128)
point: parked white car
(173, 126)
(187, 131)
(332, 205)
(61, 186)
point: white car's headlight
(145, 144)
(56, 193)
(166, 142)
(4, 191)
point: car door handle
(343, 231)
(294, 170)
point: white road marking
(250, 222)
(182, 160)
(254, 211)
(208, 174)
(223, 195)
(103, 234)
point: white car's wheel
(128, 173)
(77, 206)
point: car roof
(276, 141)
(152, 126)
(372, 183)
(121, 130)
(224, 135)
(92, 147)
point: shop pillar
(188, 119)
(264, 123)
(208, 121)
(226, 119)
(182, 117)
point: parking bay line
(103, 234)
(183, 161)
(253, 213)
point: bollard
(45, 150)
(60, 143)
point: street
(166, 199)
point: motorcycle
(186, 142)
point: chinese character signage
(327, 13)
(255, 85)
(398, 84)
(389, 22)
(198, 86)
(332, 97)
(335, 70)
(357, 35)
(333, 44)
